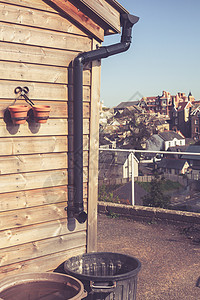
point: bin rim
(23, 278)
(89, 277)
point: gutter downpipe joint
(127, 22)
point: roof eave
(118, 6)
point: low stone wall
(148, 213)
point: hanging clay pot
(41, 113)
(18, 113)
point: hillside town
(159, 123)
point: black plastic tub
(106, 275)
(44, 286)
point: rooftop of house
(195, 109)
(192, 149)
(172, 163)
(169, 254)
(170, 135)
(114, 157)
(177, 149)
(183, 105)
(123, 105)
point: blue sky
(164, 54)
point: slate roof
(178, 149)
(113, 157)
(171, 163)
(170, 135)
(123, 105)
(193, 149)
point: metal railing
(132, 152)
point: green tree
(156, 197)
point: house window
(196, 122)
(196, 129)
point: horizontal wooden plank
(33, 163)
(41, 91)
(35, 54)
(38, 197)
(40, 37)
(36, 18)
(30, 216)
(27, 234)
(37, 4)
(41, 264)
(31, 145)
(40, 248)
(37, 180)
(34, 180)
(37, 162)
(32, 198)
(52, 127)
(37, 73)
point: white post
(132, 178)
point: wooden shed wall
(36, 48)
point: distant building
(195, 123)
(173, 166)
(106, 142)
(194, 160)
(164, 104)
(116, 165)
(180, 118)
(120, 107)
(164, 140)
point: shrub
(155, 197)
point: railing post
(132, 179)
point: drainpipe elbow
(79, 60)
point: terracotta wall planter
(18, 113)
(41, 113)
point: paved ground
(170, 256)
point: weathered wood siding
(36, 48)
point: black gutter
(127, 22)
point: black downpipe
(127, 22)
